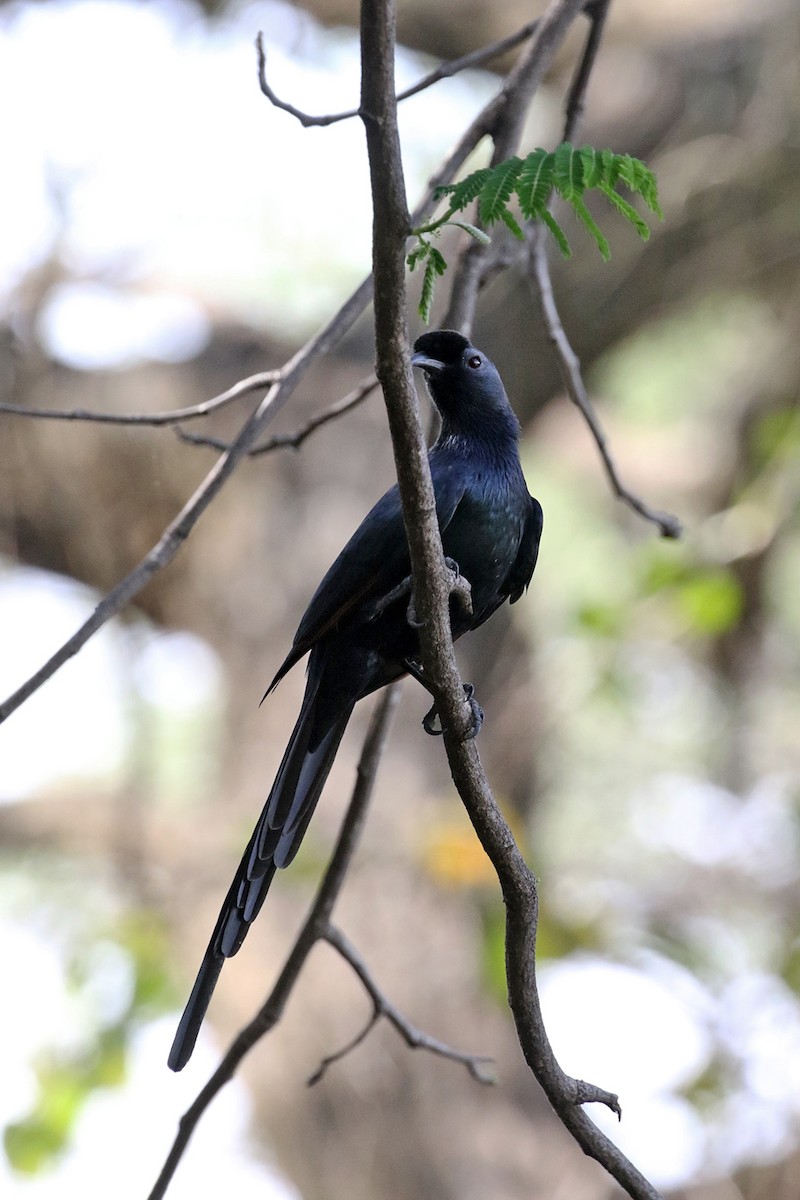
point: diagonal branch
(379, 112)
(314, 928)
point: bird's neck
(494, 436)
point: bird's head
(464, 384)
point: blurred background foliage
(642, 702)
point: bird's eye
(475, 362)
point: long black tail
(275, 841)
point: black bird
(357, 629)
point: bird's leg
(429, 720)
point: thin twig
(314, 928)
(330, 1059)
(414, 1038)
(569, 363)
(597, 12)
(252, 384)
(295, 439)
(445, 70)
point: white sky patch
(93, 326)
(147, 140)
(76, 725)
(625, 1031)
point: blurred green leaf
(790, 968)
(711, 601)
(603, 620)
(30, 1145)
(776, 435)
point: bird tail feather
(274, 843)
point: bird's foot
(459, 587)
(431, 717)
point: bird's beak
(431, 365)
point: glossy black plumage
(490, 527)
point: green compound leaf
(566, 171)
(435, 265)
(463, 193)
(508, 220)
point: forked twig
(414, 1038)
(292, 440)
(445, 70)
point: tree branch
(315, 927)
(179, 529)
(539, 273)
(390, 224)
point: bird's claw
(476, 710)
(430, 718)
(459, 585)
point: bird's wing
(373, 562)
(521, 572)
